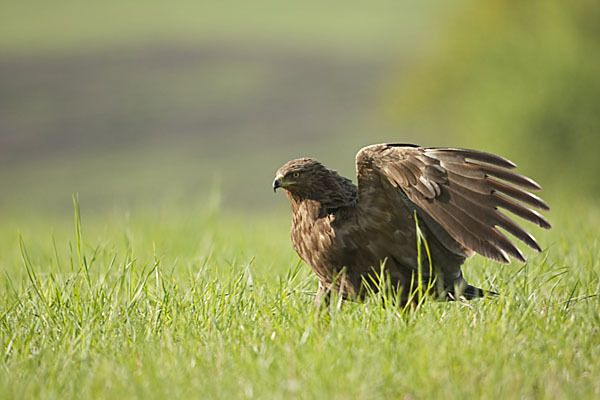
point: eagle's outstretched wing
(461, 190)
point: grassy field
(203, 303)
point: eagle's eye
(296, 174)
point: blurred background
(132, 103)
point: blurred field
(358, 28)
(159, 122)
(126, 105)
(169, 120)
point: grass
(203, 303)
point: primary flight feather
(345, 233)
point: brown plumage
(345, 232)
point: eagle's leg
(323, 296)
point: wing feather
(524, 212)
(461, 190)
(470, 169)
(493, 215)
(461, 154)
(506, 175)
(518, 194)
(469, 232)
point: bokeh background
(132, 103)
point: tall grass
(174, 304)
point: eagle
(453, 199)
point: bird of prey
(348, 233)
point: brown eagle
(348, 233)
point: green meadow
(206, 304)
(144, 255)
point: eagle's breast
(313, 238)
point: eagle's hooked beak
(277, 182)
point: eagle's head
(300, 177)
(306, 178)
